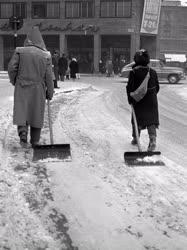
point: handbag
(140, 92)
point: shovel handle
(50, 123)
(136, 128)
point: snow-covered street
(95, 202)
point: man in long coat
(30, 71)
(55, 59)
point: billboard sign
(151, 16)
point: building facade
(172, 35)
(89, 30)
(86, 29)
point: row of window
(73, 9)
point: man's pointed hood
(34, 38)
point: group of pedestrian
(30, 71)
(63, 68)
(111, 67)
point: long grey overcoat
(30, 71)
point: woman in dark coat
(30, 71)
(146, 109)
(74, 68)
(62, 66)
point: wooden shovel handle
(136, 128)
(50, 123)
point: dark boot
(22, 132)
(23, 139)
(55, 84)
(152, 143)
(134, 141)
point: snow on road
(94, 202)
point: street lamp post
(16, 23)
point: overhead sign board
(151, 16)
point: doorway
(81, 47)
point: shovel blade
(144, 158)
(53, 152)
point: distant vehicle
(172, 74)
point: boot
(23, 139)
(152, 143)
(134, 141)
(55, 84)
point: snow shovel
(141, 158)
(51, 152)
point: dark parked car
(171, 74)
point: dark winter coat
(74, 68)
(62, 65)
(30, 71)
(146, 110)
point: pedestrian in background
(116, 66)
(146, 109)
(122, 63)
(30, 71)
(74, 68)
(62, 66)
(102, 69)
(55, 59)
(109, 67)
(68, 73)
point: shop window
(12, 9)
(45, 10)
(115, 8)
(79, 9)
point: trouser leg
(62, 77)
(55, 84)
(34, 135)
(151, 130)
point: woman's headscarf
(34, 38)
(141, 57)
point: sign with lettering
(151, 16)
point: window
(12, 9)
(79, 9)
(115, 8)
(45, 10)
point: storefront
(117, 48)
(51, 41)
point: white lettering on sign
(151, 16)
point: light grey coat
(30, 71)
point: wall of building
(96, 27)
(173, 30)
(123, 34)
